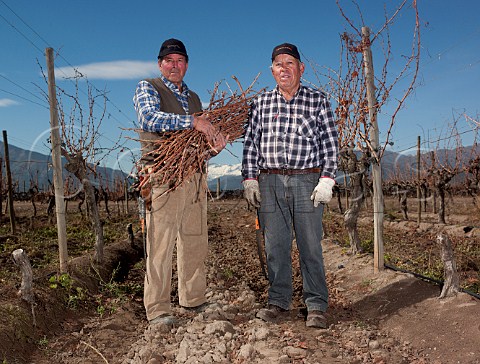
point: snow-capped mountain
(229, 176)
(216, 170)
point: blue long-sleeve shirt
(146, 101)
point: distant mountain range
(31, 168)
(27, 166)
(229, 177)
(393, 163)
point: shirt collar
(277, 91)
(174, 87)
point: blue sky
(116, 43)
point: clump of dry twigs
(181, 154)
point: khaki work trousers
(177, 217)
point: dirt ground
(385, 317)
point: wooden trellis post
(11, 211)
(57, 164)
(419, 193)
(378, 208)
(1, 187)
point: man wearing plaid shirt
(289, 165)
(165, 104)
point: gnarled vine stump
(26, 287)
(451, 285)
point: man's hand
(252, 192)
(323, 192)
(204, 126)
(219, 142)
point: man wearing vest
(166, 104)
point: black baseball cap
(286, 48)
(172, 46)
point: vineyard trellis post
(11, 211)
(125, 194)
(419, 193)
(1, 187)
(57, 164)
(378, 208)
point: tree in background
(442, 166)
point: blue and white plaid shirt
(147, 104)
(295, 134)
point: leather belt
(288, 172)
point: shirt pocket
(307, 127)
(271, 129)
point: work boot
(316, 319)
(165, 320)
(200, 308)
(270, 313)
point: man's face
(287, 71)
(173, 68)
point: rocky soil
(386, 317)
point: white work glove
(252, 192)
(323, 192)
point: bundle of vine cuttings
(181, 154)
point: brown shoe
(316, 319)
(270, 313)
